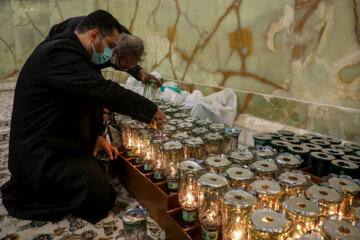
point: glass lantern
(288, 161)
(280, 146)
(194, 148)
(294, 182)
(217, 127)
(236, 206)
(344, 167)
(312, 235)
(328, 199)
(145, 150)
(181, 115)
(340, 229)
(185, 127)
(191, 120)
(180, 136)
(211, 187)
(242, 157)
(171, 111)
(350, 189)
(185, 109)
(231, 140)
(267, 224)
(217, 163)
(136, 129)
(299, 150)
(126, 135)
(188, 190)
(199, 131)
(203, 122)
(304, 214)
(286, 132)
(269, 193)
(265, 168)
(173, 153)
(264, 152)
(150, 89)
(175, 121)
(261, 139)
(158, 162)
(167, 130)
(213, 142)
(239, 176)
(135, 221)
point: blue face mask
(100, 58)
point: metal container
(203, 122)
(269, 193)
(134, 222)
(231, 140)
(242, 157)
(328, 199)
(262, 139)
(175, 121)
(265, 168)
(180, 136)
(290, 139)
(274, 135)
(194, 148)
(185, 127)
(167, 130)
(300, 150)
(181, 115)
(239, 176)
(303, 213)
(188, 190)
(352, 158)
(211, 188)
(312, 235)
(344, 167)
(294, 182)
(336, 229)
(312, 147)
(191, 120)
(236, 208)
(286, 133)
(158, 162)
(313, 135)
(267, 224)
(199, 131)
(288, 161)
(320, 142)
(173, 153)
(217, 127)
(217, 163)
(185, 109)
(150, 89)
(346, 150)
(304, 138)
(332, 140)
(335, 152)
(355, 147)
(350, 189)
(213, 143)
(171, 111)
(321, 163)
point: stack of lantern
(325, 154)
(254, 193)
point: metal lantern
(167, 130)
(184, 127)
(231, 140)
(294, 182)
(288, 161)
(173, 153)
(199, 131)
(239, 176)
(135, 221)
(158, 162)
(242, 157)
(269, 193)
(304, 214)
(211, 187)
(328, 199)
(265, 168)
(267, 224)
(337, 229)
(236, 206)
(217, 127)
(217, 163)
(350, 189)
(213, 143)
(188, 190)
(150, 89)
(194, 148)
(203, 122)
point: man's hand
(102, 145)
(159, 117)
(143, 75)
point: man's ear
(93, 35)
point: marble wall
(295, 62)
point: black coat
(57, 109)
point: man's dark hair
(101, 20)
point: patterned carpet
(70, 228)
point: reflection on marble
(293, 61)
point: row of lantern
(289, 208)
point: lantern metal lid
(302, 207)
